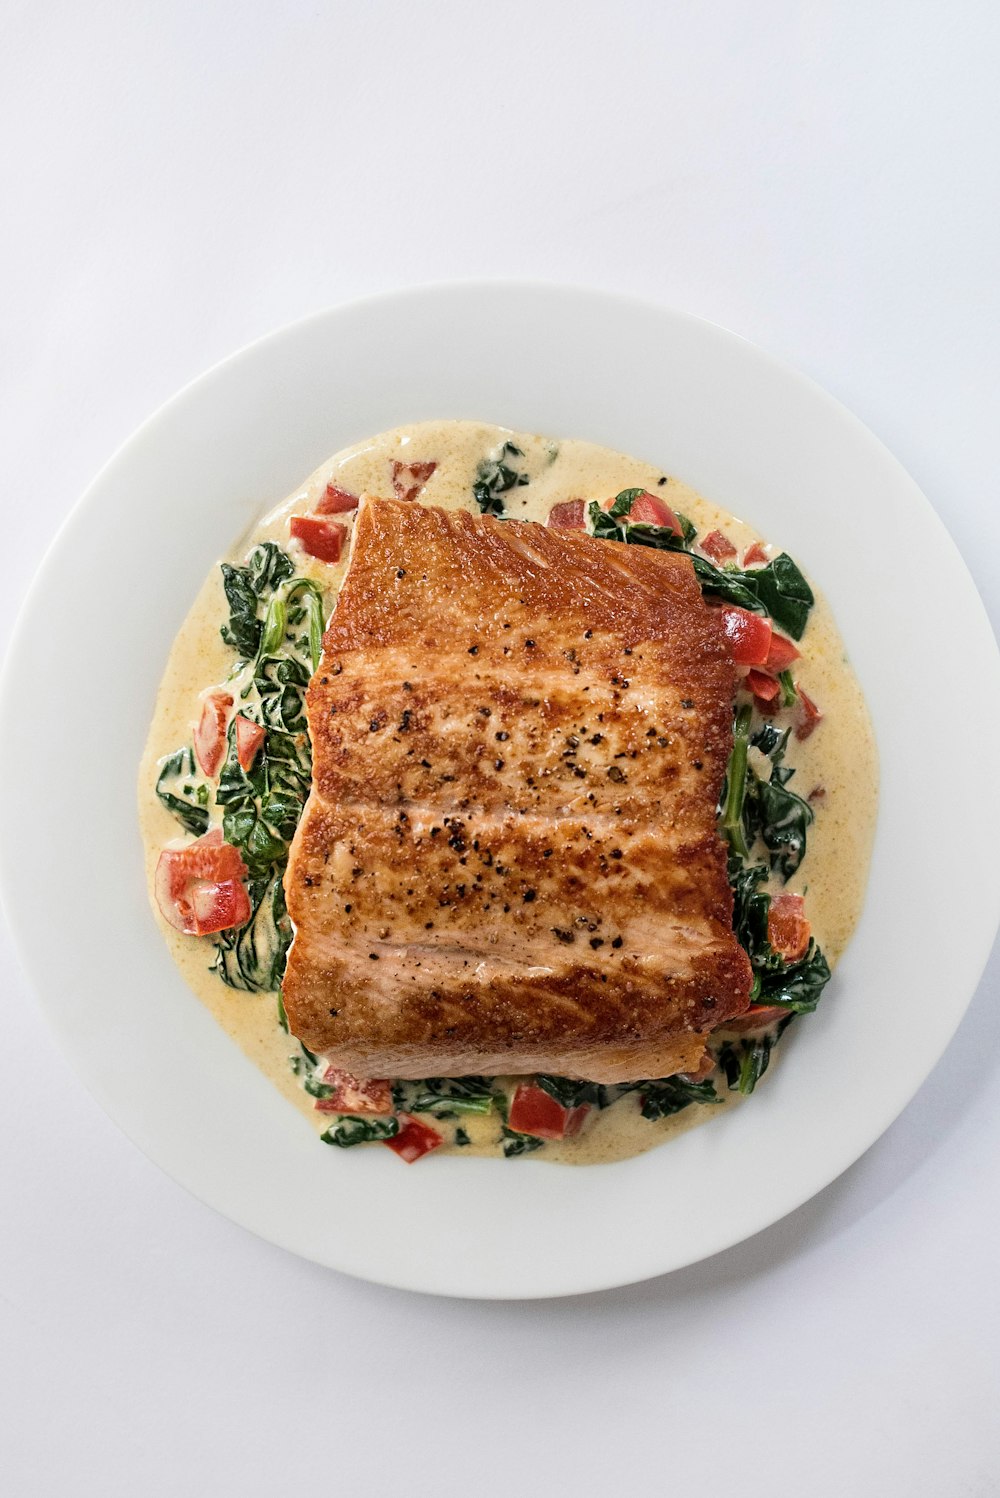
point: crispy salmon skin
(509, 860)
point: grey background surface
(176, 180)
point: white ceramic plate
(751, 434)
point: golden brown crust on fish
(509, 860)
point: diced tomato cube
(651, 510)
(409, 478)
(717, 546)
(210, 734)
(764, 687)
(749, 635)
(414, 1139)
(535, 1111)
(199, 888)
(336, 501)
(567, 516)
(809, 714)
(755, 556)
(217, 907)
(787, 928)
(355, 1094)
(781, 654)
(321, 537)
(756, 1017)
(249, 737)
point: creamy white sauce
(838, 758)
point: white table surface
(176, 180)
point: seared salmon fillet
(509, 860)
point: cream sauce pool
(839, 758)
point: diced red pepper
(749, 635)
(651, 510)
(336, 501)
(414, 1139)
(717, 546)
(322, 538)
(764, 687)
(809, 714)
(210, 734)
(200, 889)
(354, 1094)
(567, 516)
(249, 737)
(409, 478)
(755, 1018)
(535, 1111)
(781, 654)
(788, 930)
(755, 555)
(817, 793)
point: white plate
(752, 435)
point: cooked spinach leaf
(750, 907)
(605, 525)
(262, 805)
(797, 987)
(779, 818)
(670, 1095)
(602, 524)
(518, 1144)
(351, 1130)
(281, 683)
(252, 957)
(789, 694)
(495, 477)
(186, 800)
(243, 629)
(624, 501)
(573, 1094)
(731, 823)
(770, 742)
(744, 1062)
(661, 537)
(446, 1097)
(314, 1088)
(779, 589)
(267, 567)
